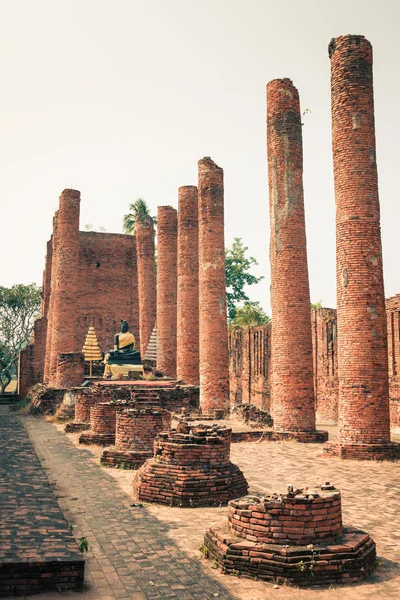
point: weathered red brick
(214, 359)
(147, 284)
(292, 386)
(188, 287)
(361, 317)
(166, 289)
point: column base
(389, 451)
(76, 427)
(97, 439)
(189, 486)
(349, 560)
(126, 459)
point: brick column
(292, 386)
(361, 318)
(47, 362)
(166, 290)
(188, 287)
(146, 274)
(213, 326)
(66, 279)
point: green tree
(316, 304)
(250, 315)
(19, 306)
(237, 270)
(137, 211)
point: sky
(120, 99)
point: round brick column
(166, 289)
(361, 318)
(188, 287)
(146, 273)
(64, 291)
(48, 367)
(292, 388)
(213, 325)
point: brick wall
(393, 323)
(325, 364)
(249, 366)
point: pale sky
(121, 98)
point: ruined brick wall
(167, 231)
(249, 366)
(107, 286)
(292, 385)
(187, 359)
(361, 318)
(324, 331)
(214, 357)
(393, 323)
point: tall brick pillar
(213, 325)
(48, 366)
(147, 285)
(188, 287)
(361, 318)
(166, 289)
(64, 292)
(292, 388)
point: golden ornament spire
(91, 348)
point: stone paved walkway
(152, 552)
(33, 530)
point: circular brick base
(97, 439)
(124, 458)
(348, 561)
(188, 486)
(390, 451)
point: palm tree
(137, 211)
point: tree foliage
(139, 210)
(250, 315)
(19, 306)
(237, 270)
(316, 304)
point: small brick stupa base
(134, 438)
(191, 467)
(295, 538)
(103, 423)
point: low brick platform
(37, 550)
(295, 538)
(75, 427)
(191, 467)
(103, 423)
(390, 451)
(305, 437)
(136, 430)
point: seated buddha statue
(124, 348)
(124, 352)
